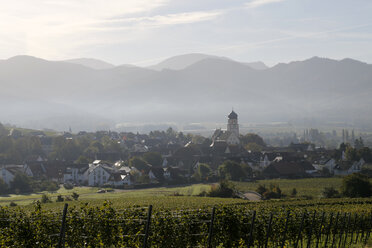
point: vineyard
(331, 223)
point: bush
(45, 199)
(75, 196)
(261, 189)
(294, 192)
(59, 198)
(330, 192)
(223, 189)
(68, 186)
(274, 192)
(12, 204)
(356, 185)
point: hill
(34, 92)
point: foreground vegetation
(119, 218)
(332, 221)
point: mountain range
(92, 94)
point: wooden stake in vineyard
(147, 228)
(210, 233)
(251, 230)
(61, 242)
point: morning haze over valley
(190, 91)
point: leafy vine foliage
(106, 226)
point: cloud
(258, 3)
(54, 29)
(163, 20)
(58, 29)
(291, 35)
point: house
(75, 174)
(98, 174)
(174, 174)
(8, 172)
(156, 174)
(344, 168)
(288, 169)
(120, 179)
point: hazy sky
(145, 31)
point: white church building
(231, 135)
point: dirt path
(252, 196)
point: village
(170, 158)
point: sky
(144, 32)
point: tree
(222, 189)
(139, 164)
(247, 170)
(82, 160)
(252, 138)
(358, 143)
(21, 184)
(203, 172)
(351, 154)
(3, 187)
(3, 130)
(254, 147)
(365, 153)
(153, 158)
(356, 185)
(231, 170)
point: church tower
(232, 124)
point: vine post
(61, 242)
(251, 230)
(268, 230)
(335, 230)
(320, 230)
(354, 228)
(210, 233)
(342, 230)
(300, 230)
(329, 229)
(311, 230)
(285, 229)
(347, 229)
(147, 228)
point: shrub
(45, 199)
(356, 185)
(274, 192)
(261, 189)
(59, 198)
(75, 196)
(223, 189)
(12, 204)
(294, 192)
(330, 192)
(68, 186)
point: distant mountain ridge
(36, 91)
(91, 63)
(182, 61)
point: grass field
(165, 196)
(305, 187)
